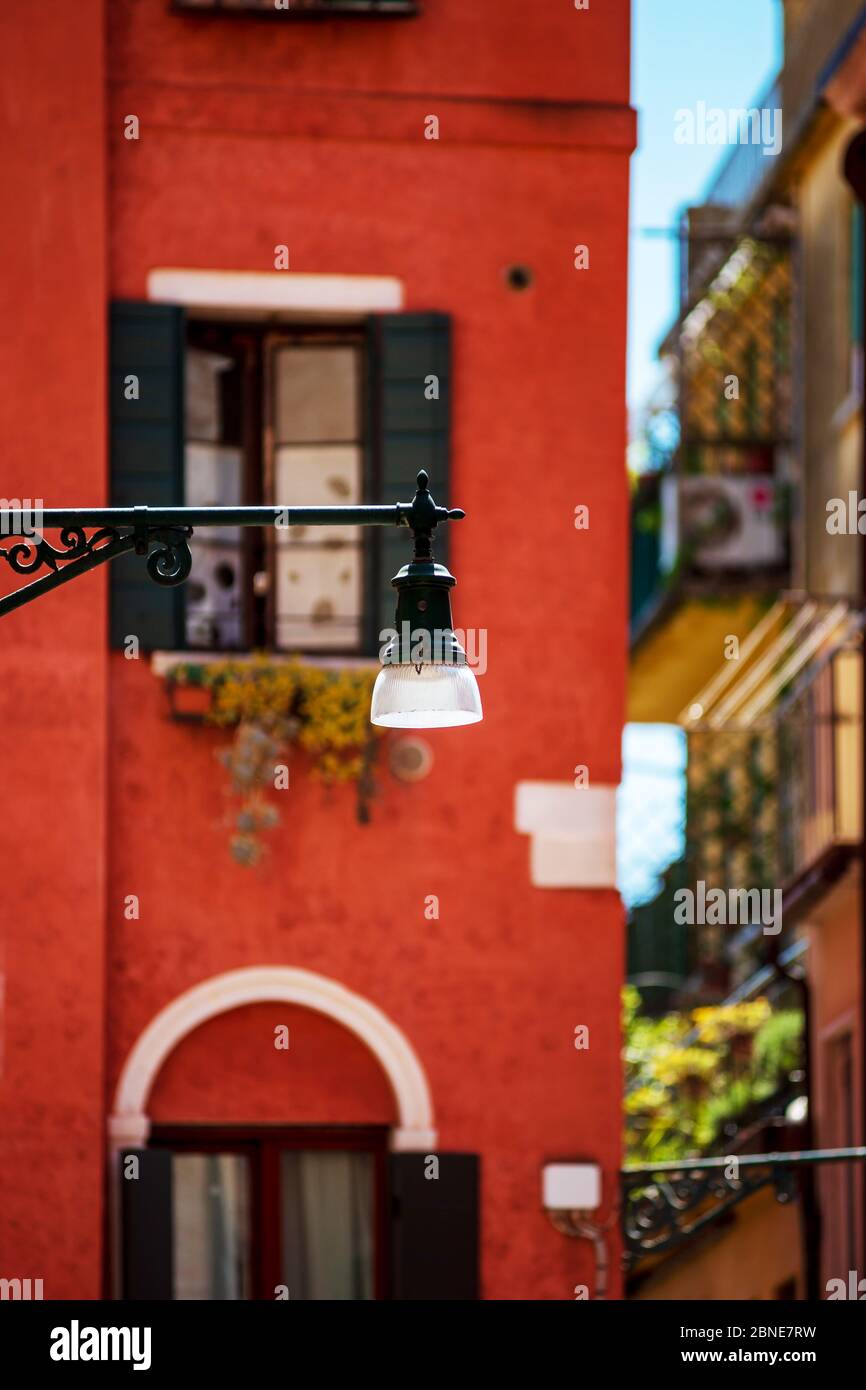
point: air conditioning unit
(732, 522)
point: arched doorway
(261, 1187)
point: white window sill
(162, 662)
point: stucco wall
(53, 690)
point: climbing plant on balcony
(693, 1076)
(274, 707)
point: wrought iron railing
(735, 354)
(665, 1205)
(768, 797)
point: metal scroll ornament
(171, 562)
(32, 552)
(662, 1213)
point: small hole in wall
(518, 277)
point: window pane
(213, 478)
(319, 579)
(327, 1204)
(318, 597)
(316, 392)
(317, 476)
(204, 390)
(211, 1226)
(214, 596)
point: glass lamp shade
(431, 696)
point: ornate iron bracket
(170, 563)
(667, 1205)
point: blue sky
(722, 52)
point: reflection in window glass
(211, 1226)
(327, 1202)
(213, 477)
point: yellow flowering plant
(273, 706)
(689, 1085)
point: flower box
(188, 700)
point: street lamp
(425, 682)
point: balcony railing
(774, 775)
(727, 507)
(668, 1204)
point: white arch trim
(129, 1124)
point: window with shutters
(254, 414)
(275, 418)
(237, 1212)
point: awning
(789, 639)
(682, 654)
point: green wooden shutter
(146, 1224)
(434, 1227)
(146, 448)
(406, 431)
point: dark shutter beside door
(146, 1226)
(146, 450)
(435, 1227)
(406, 432)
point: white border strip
(275, 984)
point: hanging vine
(274, 707)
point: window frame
(262, 1145)
(258, 547)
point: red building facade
(362, 202)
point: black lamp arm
(121, 529)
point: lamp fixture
(425, 683)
